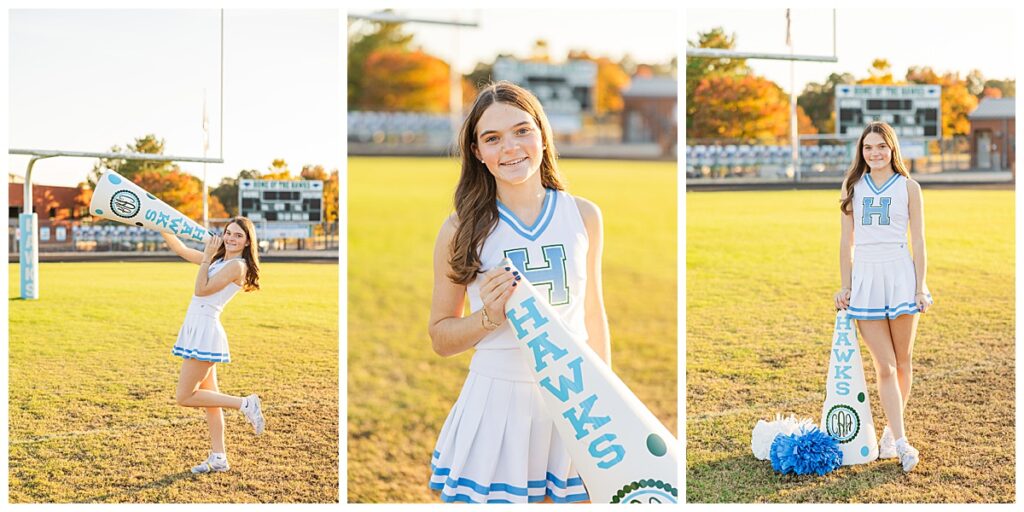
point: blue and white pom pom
(808, 451)
(765, 433)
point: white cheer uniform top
(551, 253)
(880, 214)
(216, 301)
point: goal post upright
(28, 220)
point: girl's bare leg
(878, 338)
(904, 331)
(189, 394)
(214, 415)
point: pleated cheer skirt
(202, 336)
(498, 444)
(884, 282)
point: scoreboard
(565, 90)
(281, 200)
(914, 111)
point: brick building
(55, 207)
(993, 132)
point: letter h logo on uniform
(551, 274)
(870, 210)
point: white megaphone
(620, 449)
(118, 199)
(846, 415)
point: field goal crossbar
(720, 53)
(28, 220)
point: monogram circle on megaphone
(124, 203)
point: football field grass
(92, 382)
(762, 268)
(399, 390)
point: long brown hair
(250, 253)
(860, 166)
(476, 206)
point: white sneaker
(254, 413)
(887, 445)
(211, 465)
(909, 457)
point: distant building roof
(994, 108)
(653, 87)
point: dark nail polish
(518, 277)
(514, 283)
(507, 268)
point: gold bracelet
(485, 320)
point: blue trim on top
(531, 233)
(888, 183)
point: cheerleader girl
(228, 264)
(511, 212)
(883, 286)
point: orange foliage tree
(747, 108)
(317, 172)
(398, 80)
(957, 100)
(180, 190)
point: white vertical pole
(206, 146)
(794, 140)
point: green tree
(148, 144)
(364, 39)
(227, 190)
(1007, 88)
(818, 101)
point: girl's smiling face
(235, 238)
(876, 151)
(509, 143)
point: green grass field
(761, 270)
(92, 380)
(399, 390)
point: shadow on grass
(161, 482)
(748, 480)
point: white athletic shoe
(254, 413)
(909, 457)
(887, 445)
(211, 465)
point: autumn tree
(398, 80)
(365, 38)
(330, 203)
(540, 52)
(700, 68)
(180, 190)
(957, 100)
(880, 73)
(162, 178)
(611, 81)
(748, 109)
(278, 170)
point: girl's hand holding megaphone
(212, 246)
